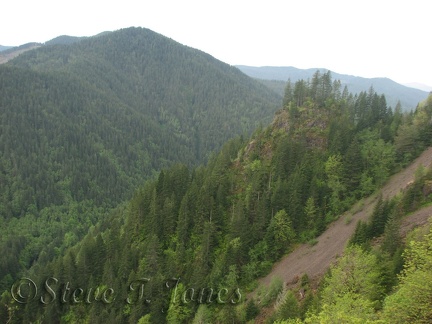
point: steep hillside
(201, 237)
(394, 92)
(184, 89)
(131, 102)
(315, 260)
(368, 249)
(83, 125)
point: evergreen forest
(83, 125)
(146, 182)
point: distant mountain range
(420, 86)
(276, 77)
(8, 53)
(3, 48)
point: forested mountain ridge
(139, 114)
(10, 52)
(200, 237)
(182, 88)
(64, 40)
(84, 124)
(276, 77)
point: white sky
(369, 38)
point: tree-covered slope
(193, 242)
(12, 52)
(276, 76)
(384, 274)
(129, 103)
(82, 125)
(64, 40)
(61, 138)
(189, 92)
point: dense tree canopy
(83, 124)
(192, 240)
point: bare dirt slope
(314, 260)
(418, 218)
(9, 55)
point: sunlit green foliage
(412, 300)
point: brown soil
(418, 218)
(315, 260)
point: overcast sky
(369, 38)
